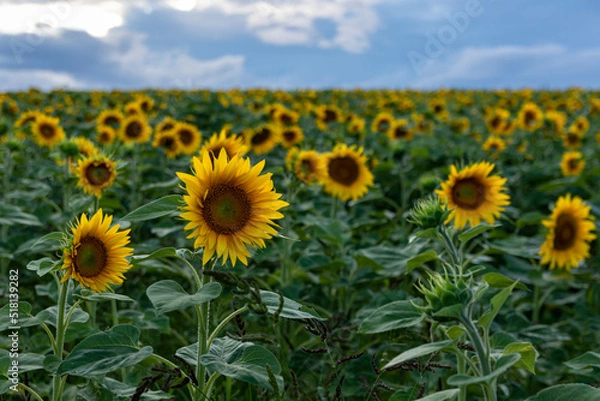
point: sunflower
(474, 196)
(188, 136)
(95, 174)
(28, 117)
(346, 175)
(356, 125)
(97, 254)
(166, 124)
(308, 166)
(263, 139)
(229, 206)
(497, 119)
(572, 164)
(285, 117)
(168, 141)
(105, 135)
(572, 139)
(328, 113)
(570, 231)
(85, 146)
(494, 145)
(135, 129)
(146, 103)
(400, 130)
(133, 109)
(556, 119)
(291, 136)
(47, 131)
(382, 122)
(580, 125)
(460, 125)
(530, 117)
(110, 118)
(232, 144)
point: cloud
(13, 80)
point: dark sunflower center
(261, 136)
(437, 108)
(330, 116)
(28, 120)
(133, 130)
(565, 232)
(400, 132)
(168, 143)
(91, 258)
(573, 164)
(47, 131)
(343, 170)
(145, 105)
(104, 137)
(468, 194)
(495, 122)
(289, 136)
(185, 136)
(167, 127)
(111, 120)
(307, 167)
(286, 119)
(530, 117)
(97, 174)
(572, 139)
(383, 125)
(227, 209)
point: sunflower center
(227, 209)
(104, 137)
(97, 174)
(110, 120)
(468, 194)
(495, 122)
(400, 132)
(28, 120)
(289, 136)
(286, 119)
(261, 136)
(185, 136)
(167, 127)
(307, 167)
(437, 109)
(168, 143)
(47, 131)
(343, 170)
(565, 232)
(573, 164)
(530, 118)
(383, 125)
(91, 257)
(133, 130)
(330, 116)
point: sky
(289, 44)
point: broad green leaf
(442, 395)
(394, 315)
(27, 362)
(455, 331)
(589, 359)
(291, 309)
(125, 391)
(528, 355)
(242, 361)
(391, 262)
(43, 266)
(567, 392)
(452, 311)
(497, 280)
(155, 209)
(502, 365)
(23, 309)
(420, 259)
(105, 352)
(420, 351)
(168, 295)
(497, 302)
(160, 253)
(524, 247)
(11, 215)
(474, 232)
(51, 242)
(105, 296)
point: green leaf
(43, 266)
(439, 396)
(589, 359)
(497, 280)
(395, 315)
(105, 296)
(420, 259)
(392, 262)
(502, 365)
(160, 253)
(11, 215)
(420, 351)
(155, 209)
(497, 301)
(126, 391)
(524, 247)
(168, 295)
(105, 352)
(567, 392)
(51, 242)
(27, 362)
(528, 355)
(291, 309)
(474, 232)
(242, 361)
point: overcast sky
(133, 44)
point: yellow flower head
(95, 174)
(346, 175)
(47, 132)
(572, 164)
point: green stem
(114, 312)
(67, 188)
(482, 355)
(60, 337)
(461, 367)
(31, 391)
(452, 251)
(50, 336)
(71, 310)
(224, 322)
(210, 383)
(200, 370)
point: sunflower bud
(428, 213)
(446, 296)
(13, 144)
(428, 183)
(69, 149)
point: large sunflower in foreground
(230, 206)
(572, 164)
(346, 175)
(570, 231)
(47, 131)
(96, 255)
(95, 174)
(232, 144)
(473, 195)
(135, 129)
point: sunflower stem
(224, 322)
(60, 337)
(67, 189)
(203, 312)
(31, 391)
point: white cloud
(12, 80)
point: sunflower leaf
(168, 295)
(157, 208)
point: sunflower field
(331, 245)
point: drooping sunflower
(346, 175)
(135, 129)
(189, 137)
(95, 174)
(530, 117)
(572, 164)
(263, 139)
(230, 206)
(133, 109)
(291, 136)
(168, 142)
(570, 231)
(28, 117)
(473, 195)
(110, 118)
(233, 145)
(146, 103)
(309, 166)
(460, 124)
(356, 126)
(96, 255)
(47, 132)
(105, 135)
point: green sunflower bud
(69, 149)
(428, 213)
(428, 183)
(446, 296)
